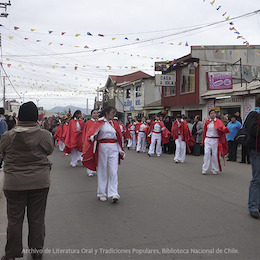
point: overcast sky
(48, 63)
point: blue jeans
(254, 188)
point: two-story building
(222, 77)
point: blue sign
(132, 108)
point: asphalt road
(166, 211)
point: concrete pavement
(166, 211)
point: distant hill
(72, 108)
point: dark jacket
(25, 149)
(251, 125)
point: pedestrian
(46, 124)
(123, 131)
(215, 143)
(132, 139)
(142, 129)
(3, 129)
(239, 119)
(197, 131)
(87, 126)
(182, 136)
(168, 147)
(252, 125)
(73, 139)
(10, 122)
(27, 180)
(102, 152)
(233, 126)
(159, 135)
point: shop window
(138, 91)
(169, 91)
(187, 80)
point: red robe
(124, 131)
(222, 141)
(128, 135)
(64, 132)
(73, 139)
(165, 132)
(90, 159)
(86, 128)
(58, 133)
(185, 133)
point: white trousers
(156, 138)
(141, 142)
(75, 157)
(180, 152)
(107, 170)
(132, 142)
(61, 145)
(211, 146)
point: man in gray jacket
(197, 131)
(27, 180)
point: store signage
(219, 80)
(165, 80)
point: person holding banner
(102, 151)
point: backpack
(242, 136)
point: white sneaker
(215, 173)
(90, 175)
(102, 198)
(73, 165)
(176, 161)
(204, 172)
(115, 199)
(158, 155)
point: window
(169, 91)
(187, 80)
(138, 91)
(128, 93)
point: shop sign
(219, 80)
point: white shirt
(78, 125)
(106, 131)
(157, 128)
(211, 131)
(142, 127)
(132, 128)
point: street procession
(126, 135)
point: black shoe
(128, 148)
(254, 214)
(115, 199)
(242, 162)
(228, 160)
(138, 151)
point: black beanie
(28, 112)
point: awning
(155, 111)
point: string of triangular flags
(227, 17)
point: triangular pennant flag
(63, 33)
(16, 28)
(224, 14)
(126, 38)
(137, 39)
(94, 50)
(223, 51)
(216, 50)
(50, 32)
(32, 30)
(231, 23)
(101, 35)
(113, 38)
(11, 37)
(89, 34)
(219, 7)
(26, 38)
(38, 41)
(212, 2)
(227, 18)
(9, 65)
(61, 44)
(76, 67)
(180, 43)
(86, 47)
(77, 35)
(186, 44)
(50, 43)
(230, 52)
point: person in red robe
(158, 134)
(215, 143)
(87, 126)
(182, 136)
(102, 152)
(125, 132)
(73, 139)
(142, 129)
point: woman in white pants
(215, 143)
(141, 131)
(132, 139)
(107, 134)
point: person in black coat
(169, 147)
